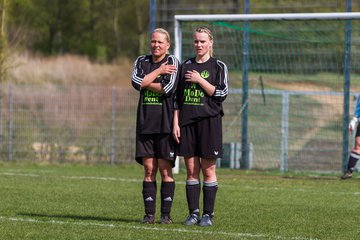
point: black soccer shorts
(160, 145)
(201, 139)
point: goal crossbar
(271, 16)
(254, 17)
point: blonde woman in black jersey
(197, 126)
(155, 77)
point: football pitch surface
(51, 201)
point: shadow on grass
(77, 217)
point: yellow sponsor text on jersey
(151, 98)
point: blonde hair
(163, 31)
(210, 35)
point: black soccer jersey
(155, 110)
(192, 101)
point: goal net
(290, 97)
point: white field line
(20, 174)
(178, 230)
(73, 177)
(133, 180)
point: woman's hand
(176, 133)
(193, 76)
(166, 69)
(176, 128)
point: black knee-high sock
(167, 197)
(193, 195)
(149, 195)
(353, 158)
(209, 191)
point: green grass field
(104, 202)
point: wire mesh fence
(67, 123)
(288, 130)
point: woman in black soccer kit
(197, 128)
(155, 77)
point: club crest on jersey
(205, 74)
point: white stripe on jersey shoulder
(175, 61)
(140, 58)
(221, 64)
(135, 78)
(171, 83)
(224, 91)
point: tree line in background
(107, 29)
(104, 30)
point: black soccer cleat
(347, 175)
(148, 219)
(192, 219)
(206, 221)
(166, 219)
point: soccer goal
(290, 85)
